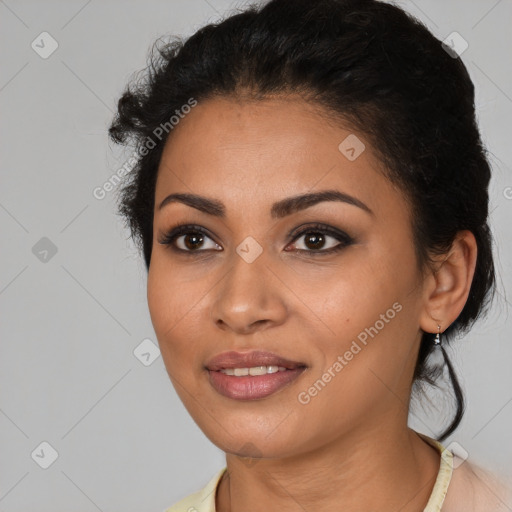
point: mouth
(251, 375)
(253, 371)
(254, 360)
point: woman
(311, 201)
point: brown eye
(319, 239)
(314, 241)
(189, 238)
(193, 241)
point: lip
(251, 387)
(250, 359)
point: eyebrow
(280, 209)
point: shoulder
(475, 489)
(200, 501)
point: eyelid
(318, 226)
(170, 236)
(343, 238)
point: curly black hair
(369, 64)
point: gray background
(71, 321)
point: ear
(447, 286)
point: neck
(385, 469)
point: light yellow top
(204, 500)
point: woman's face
(332, 286)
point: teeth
(255, 370)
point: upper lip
(251, 359)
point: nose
(249, 298)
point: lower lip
(251, 387)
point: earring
(437, 341)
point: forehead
(241, 151)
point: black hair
(368, 63)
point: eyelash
(185, 229)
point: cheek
(372, 311)
(160, 296)
(167, 306)
(177, 313)
(354, 295)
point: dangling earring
(437, 341)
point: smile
(255, 370)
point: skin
(350, 446)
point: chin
(254, 444)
